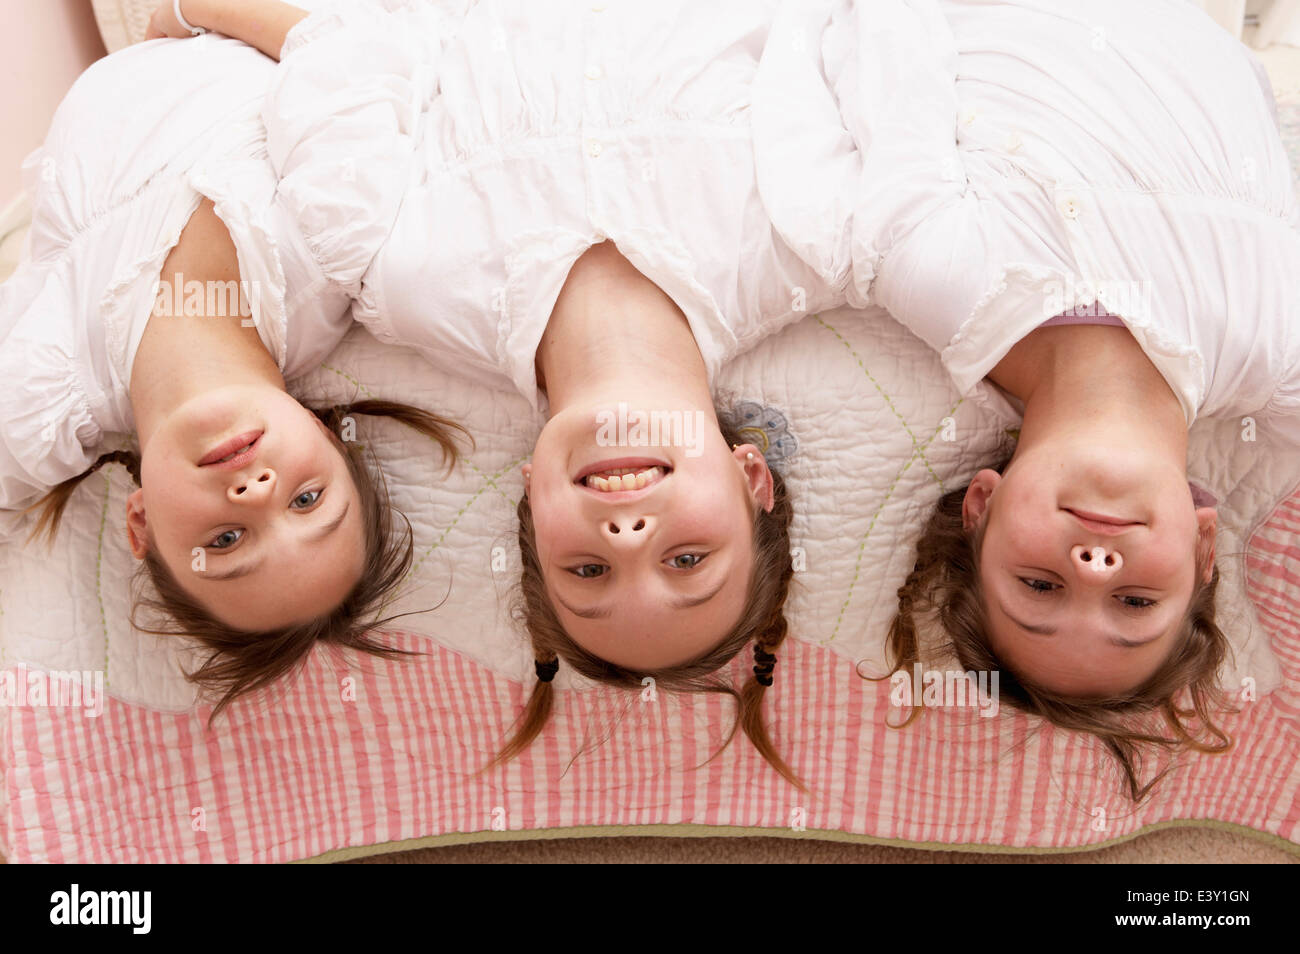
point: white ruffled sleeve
(855, 131)
(47, 431)
(343, 119)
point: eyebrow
(1114, 639)
(252, 565)
(685, 602)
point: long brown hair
(762, 624)
(945, 582)
(242, 661)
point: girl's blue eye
(581, 570)
(307, 498)
(695, 560)
(226, 539)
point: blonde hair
(763, 624)
(242, 661)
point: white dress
(142, 136)
(983, 167)
(448, 164)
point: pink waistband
(1093, 314)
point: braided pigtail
(777, 571)
(52, 505)
(945, 559)
(533, 605)
(536, 712)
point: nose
(1096, 562)
(626, 529)
(252, 488)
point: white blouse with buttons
(983, 167)
(450, 163)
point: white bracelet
(185, 24)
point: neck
(614, 335)
(1093, 383)
(184, 357)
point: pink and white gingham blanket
(353, 758)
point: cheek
(174, 509)
(708, 514)
(1008, 541)
(1171, 559)
(555, 522)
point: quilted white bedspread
(864, 401)
(305, 770)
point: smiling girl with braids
(1089, 205)
(603, 584)
(562, 200)
(260, 530)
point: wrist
(216, 16)
(196, 13)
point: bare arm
(259, 23)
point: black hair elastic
(546, 670)
(766, 663)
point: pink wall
(44, 46)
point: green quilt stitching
(952, 411)
(461, 512)
(862, 546)
(919, 452)
(883, 393)
(465, 460)
(489, 480)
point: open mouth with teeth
(633, 475)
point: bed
(354, 756)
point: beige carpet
(1183, 844)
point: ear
(137, 536)
(1207, 521)
(527, 471)
(761, 486)
(976, 501)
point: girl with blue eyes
(165, 303)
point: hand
(163, 23)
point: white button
(594, 72)
(597, 8)
(593, 147)
(969, 115)
(1014, 142)
(1069, 206)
